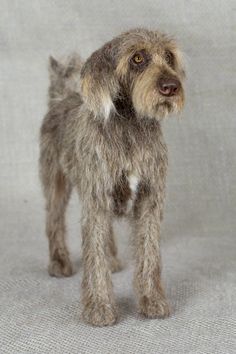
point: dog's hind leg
(57, 190)
(60, 264)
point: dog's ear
(99, 84)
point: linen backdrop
(39, 314)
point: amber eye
(138, 58)
(169, 58)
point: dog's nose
(168, 86)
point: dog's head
(139, 71)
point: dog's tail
(64, 78)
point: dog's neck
(124, 106)
(125, 114)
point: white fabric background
(39, 314)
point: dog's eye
(169, 58)
(138, 58)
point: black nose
(168, 86)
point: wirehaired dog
(104, 137)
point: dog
(102, 134)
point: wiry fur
(106, 141)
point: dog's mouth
(167, 105)
(164, 108)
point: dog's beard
(158, 107)
(164, 107)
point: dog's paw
(115, 264)
(154, 307)
(100, 314)
(60, 268)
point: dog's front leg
(147, 281)
(97, 293)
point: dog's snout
(168, 86)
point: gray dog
(104, 137)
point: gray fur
(105, 139)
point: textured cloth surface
(39, 314)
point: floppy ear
(99, 84)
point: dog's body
(106, 140)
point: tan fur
(106, 141)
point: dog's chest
(125, 193)
(133, 181)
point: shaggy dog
(104, 137)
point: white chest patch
(133, 185)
